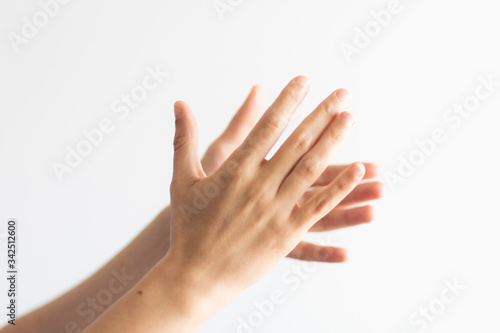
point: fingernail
(348, 118)
(303, 81)
(358, 169)
(343, 96)
(177, 111)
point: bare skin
(230, 225)
(151, 245)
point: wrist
(195, 296)
(158, 236)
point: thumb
(187, 166)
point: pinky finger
(327, 199)
(311, 252)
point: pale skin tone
(230, 228)
(148, 250)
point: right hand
(230, 228)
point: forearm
(80, 306)
(168, 299)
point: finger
(362, 193)
(343, 218)
(239, 127)
(245, 119)
(333, 171)
(187, 164)
(312, 252)
(328, 198)
(315, 161)
(272, 124)
(308, 133)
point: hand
(230, 228)
(341, 217)
(236, 132)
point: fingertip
(256, 89)
(348, 118)
(341, 255)
(369, 213)
(372, 170)
(343, 96)
(258, 96)
(178, 109)
(378, 190)
(345, 256)
(334, 254)
(358, 169)
(179, 104)
(303, 81)
(182, 106)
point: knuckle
(341, 186)
(247, 147)
(179, 142)
(321, 205)
(345, 186)
(282, 238)
(273, 123)
(302, 142)
(173, 187)
(309, 167)
(337, 135)
(330, 107)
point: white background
(440, 224)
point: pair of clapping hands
(234, 214)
